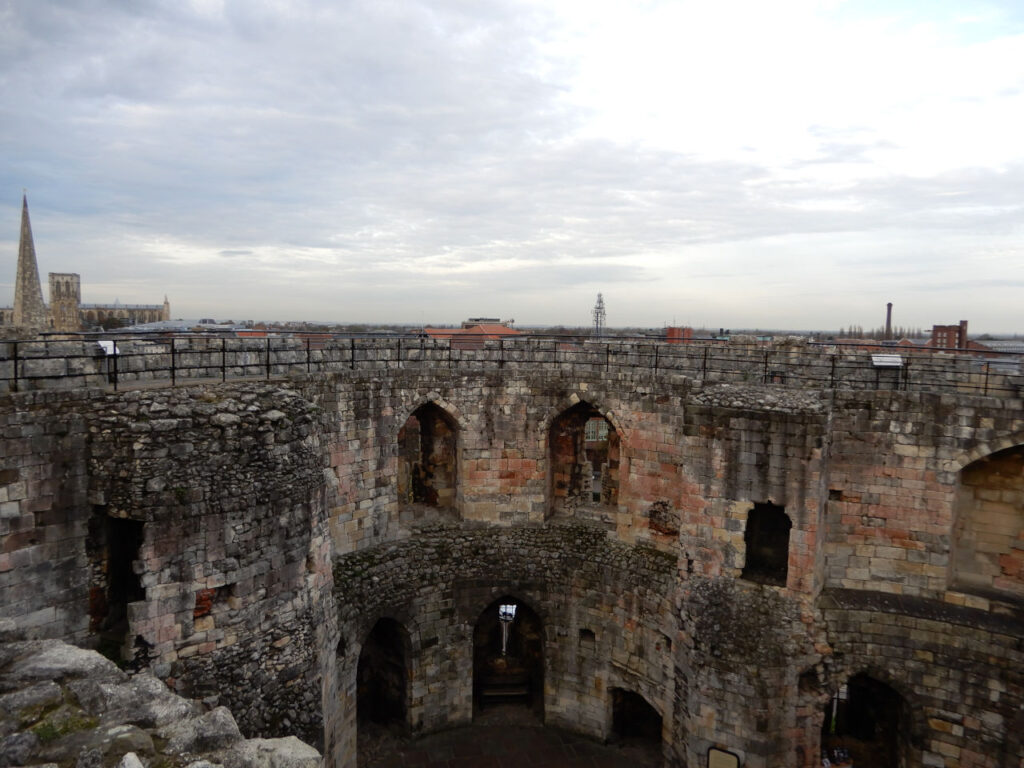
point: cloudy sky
(741, 163)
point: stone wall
(240, 495)
(988, 536)
(961, 671)
(63, 363)
(572, 576)
(221, 590)
(894, 482)
(44, 513)
(753, 665)
(61, 705)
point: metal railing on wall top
(117, 360)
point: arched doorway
(508, 657)
(988, 533)
(867, 723)
(634, 720)
(584, 459)
(382, 676)
(427, 459)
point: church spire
(29, 309)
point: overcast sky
(786, 164)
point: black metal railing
(167, 360)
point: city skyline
(792, 166)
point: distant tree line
(898, 332)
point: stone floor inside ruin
(502, 737)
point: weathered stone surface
(143, 701)
(287, 752)
(130, 760)
(17, 748)
(51, 660)
(213, 731)
(267, 546)
(76, 738)
(79, 721)
(24, 704)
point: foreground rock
(67, 707)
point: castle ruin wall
(274, 538)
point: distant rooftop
(1004, 345)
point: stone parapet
(153, 359)
(730, 552)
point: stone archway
(583, 455)
(428, 460)
(634, 720)
(382, 676)
(988, 529)
(508, 656)
(869, 723)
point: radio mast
(599, 316)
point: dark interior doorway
(427, 468)
(767, 543)
(508, 657)
(866, 723)
(113, 545)
(382, 676)
(633, 719)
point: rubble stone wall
(573, 576)
(256, 500)
(233, 560)
(868, 479)
(44, 483)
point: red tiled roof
(472, 337)
(486, 330)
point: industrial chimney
(888, 321)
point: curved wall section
(605, 608)
(764, 545)
(179, 530)
(863, 487)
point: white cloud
(378, 160)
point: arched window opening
(382, 676)
(508, 657)
(427, 468)
(988, 535)
(767, 544)
(113, 545)
(866, 723)
(584, 457)
(634, 721)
